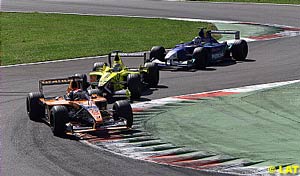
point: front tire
(239, 50)
(152, 77)
(122, 109)
(201, 57)
(157, 52)
(59, 118)
(35, 108)
(134, 85)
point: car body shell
(182, 54)
(86, 112)
(114, 81)
(88, 105)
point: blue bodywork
(182, 54)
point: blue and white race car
(202, 51)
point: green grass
(257, 1)
(260, 125)
(33, 37)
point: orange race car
(77, 111)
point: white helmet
(197, 40)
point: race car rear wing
(235, 33)
(57, 81)
(118, 53)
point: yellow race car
(118, 79)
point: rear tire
(201, 57)
(123, 109)
(59, 118)
(157, 52)
(134, 85)
(35, 108)
(152, 77)
(239, 50)
(98, 65)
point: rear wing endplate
(235, 33)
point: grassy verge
(33, 37)
(260, 126)
(257, 1)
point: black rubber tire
(84, 81)
(200, 55)
(123, 109)
(227, 54)
(98, 65)
(152, 77)
(157, 52)
(239, 50)
(94, 91)
(58, 120)
(35, 108)
(134, 85)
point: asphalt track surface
(29, 148)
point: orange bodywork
(85, 113)
(76, 104)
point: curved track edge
(139, 144)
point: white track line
(238, 3)
(173, 99)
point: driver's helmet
(197, 40)
(73, 86)
(74, 92)
(117, 67)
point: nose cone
(104, 79)
(171, 55)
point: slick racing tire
(157, 52)
(201, 58)
(98, 65)
(134, 85)
(122, 109)
(152, 77)
(58, 119)
(84, 81)
(239, 50)
(35, 108)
